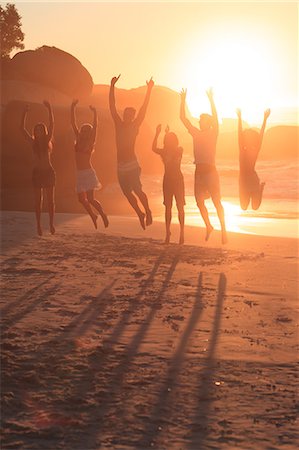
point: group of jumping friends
(206, 182)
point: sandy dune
(119, 342)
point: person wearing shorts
(173, 180)
(250, 142)
(43, 175)
(206, 183)
(128, 169)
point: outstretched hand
(239, 113)
(167, 129)
(158, 129)
(114, 80)
(75, 102)
(210, 93)
(150, 83)
(267, 113)
(183, 94)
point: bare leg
(144, 201)
(38, 208)
(82, 199)
(204, 214)
(51, 207)
(256, 200)
(220, 214)
(133, 202)
(98, 207)
(181, 214)
(167, 223)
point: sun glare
(240, 70)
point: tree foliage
(10, 30)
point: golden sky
(248, 51)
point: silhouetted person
(250, 142)
(128, 169)
(43, 175)
(173, 181)
(206, 175)
(87, 180)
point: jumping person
(87, 180)
(128, 169)
(173, 181)
(43, 176)
(250, 142)
(206, 175)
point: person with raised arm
(128, 169)
(250, 142)
(43, 175)
(87, 180)
(206, 183)
(173, 180)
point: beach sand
(112, 340)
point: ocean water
(278, 214)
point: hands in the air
(150, 83)
(239, 113)
(158, 129)
(183, 94)
(267, 113)
(114, 80)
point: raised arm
(51, 119)
(240, 129)
(154, 144)
(113, 111)
(183, 117)
(23, 125)
(73, 117)
(266, 115)
(141, 114)
(95, 121)
(215, 124)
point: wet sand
(117, 342)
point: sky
(247, 51)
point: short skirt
(87, 180)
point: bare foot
(39, 230)
(142, 219)
(94, 218)
(105, 220)
(182, 240)
(224, 237)
(149, 218)
(52, 229)
(208, 232)
(167, 239)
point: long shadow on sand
(206, 388)
(91, 436)
(165, 393)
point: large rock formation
(50, 67)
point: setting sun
(240, 69)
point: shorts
(174, 187)
(129, 177)
(249, 183)
(206, 183)
(43, 178)
(87, 180)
